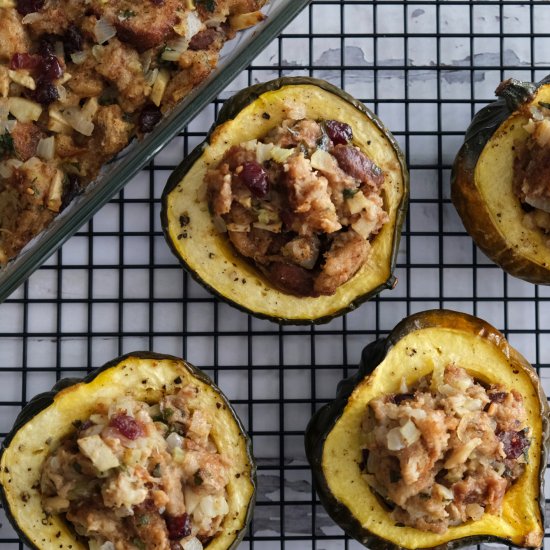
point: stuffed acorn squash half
(500, 182)
(292, 208)
(440, 440)
(145, 453)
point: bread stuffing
(135, 476)
(303, 204)
(446, 451)
(79, 80)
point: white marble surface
(115, 287)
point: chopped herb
(394, 476)
(197, 479)
(167, 413)
(210, 5)
(348, 193)
(125, 14)
(6, 144)
(139, 543)
(143, 520)
(544, 104)
(106, 99)
(156, 471)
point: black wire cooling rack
(426, 68)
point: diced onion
(151, 76)
(24, 110)
(62, 93)
(79, 57)
(444, 492)
(174, 440)
(212, 506)
(245, 20)
(239, 227)
(191, 500)
(31, 18)
(280, 155)
(104, 31)
(59, 49)
(323, 160)
(97, 52)
(175, 48)
(192, 544)
(74, 117)
(410, 433)
(272, 227)
(461, 454)
(189, 26)
(219, 224)
(46, 148)
(395, 440)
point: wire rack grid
(425, 68)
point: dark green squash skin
(471, 209)
(44, 400)
(231, 108)
(373, 354)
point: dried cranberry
(50, 69)
(514, 443)
(178, 526)
(339, 132)
(25, 7)
(46, 45)
(291, 278)
(497, 396)
(45, 93)
(255, 178)
(73, 41)
(149, 117)
(127, 426)
(25, 61)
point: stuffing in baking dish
(79, 80)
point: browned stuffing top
(531, 182)
(136, 477)
(445, 452)
(303, 204)
(79, 80)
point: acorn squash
(51, 416)
(209, 257)
(411, 350)
(481, 183)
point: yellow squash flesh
(490, 210)
(210, 257)
(146, 379)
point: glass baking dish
(235, 56)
